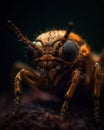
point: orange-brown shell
(54, 35)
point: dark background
(35, 16)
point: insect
(62, 59)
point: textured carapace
(51, 46)
(63, 61)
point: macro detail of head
(52, 49)
(62, 61)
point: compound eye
(34, 52)
(38, 45)
(70, 50)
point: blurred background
(34, 17)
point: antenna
(19, 34)
(70, 27)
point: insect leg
(97, 90)
(70, 91)
(17, 91)
(31, 78)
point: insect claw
(64, 109)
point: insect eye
(38, 45)
(70, 50)
(34, 52)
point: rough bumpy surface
(40, 117)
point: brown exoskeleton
(60, 57)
